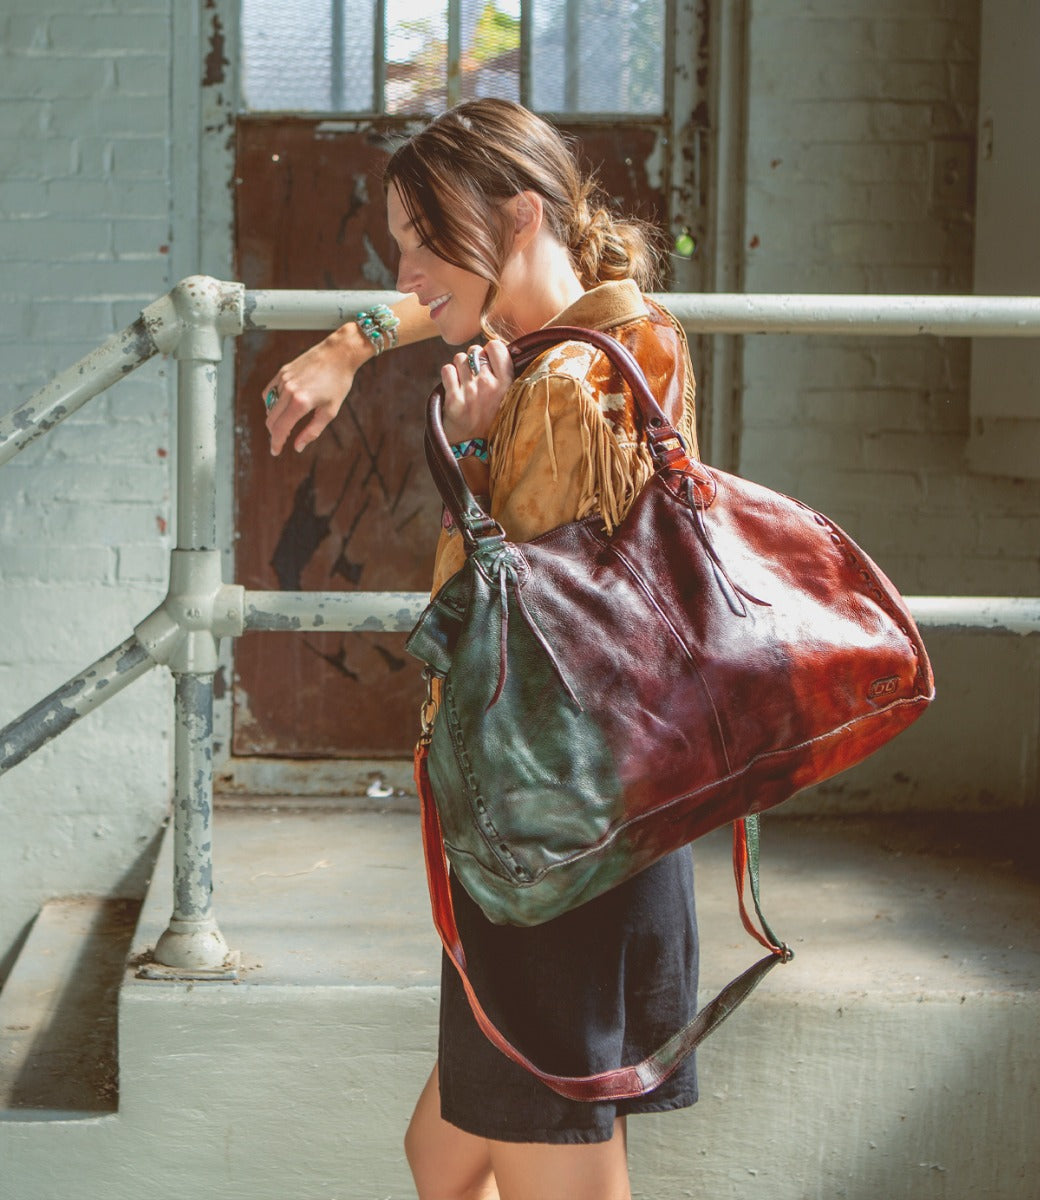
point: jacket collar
(605, 306)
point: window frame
(453, 73)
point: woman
(499, 232)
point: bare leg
(446, 1163)
(449, 1164)
(552, 1172)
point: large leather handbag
(607, 698)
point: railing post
(192, 940)
(193, 943)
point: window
(414, 57)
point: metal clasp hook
(428, 710)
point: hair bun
(605, 248)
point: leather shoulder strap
(621, 1083)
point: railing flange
(193, 950)
(160, 974)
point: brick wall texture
(84, 239)
(84, 511)
(850, 105)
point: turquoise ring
(271, 399)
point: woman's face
(455, 297)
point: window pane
(307, 55)
(491, 49)
(416, 56)
(598, 56)
(588, 55)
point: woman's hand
(314, 385)
(474, 383)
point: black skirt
(599, 987)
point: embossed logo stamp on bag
(881, 688)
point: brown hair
(455, 175)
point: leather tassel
(506, 577)
(734, 594)
(503, 633)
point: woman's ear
(528, 213)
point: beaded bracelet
(379, 325)
(474, 448)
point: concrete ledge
(895, 1057)
(58, 1055)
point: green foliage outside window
(497, 33)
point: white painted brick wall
(846, 102)
(85, 512)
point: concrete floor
(895, 1057)
(900, 902)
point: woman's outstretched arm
(312, 387)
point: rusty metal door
(356, 510)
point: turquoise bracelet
(473, 448)
(379, 325)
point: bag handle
(477, 527)
(622, 1083)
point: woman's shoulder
(648, 331)
(570, 359)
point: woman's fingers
(287, 405)
(452, 382)
(276, 401)
(467, 363)
(475, 381)
(272, 394)
(497, 359)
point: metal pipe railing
(334, 612)
(872, 316)
(74, 699)
(69, 391)
(184, 631)
(726, 312)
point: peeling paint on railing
(69, 391)
(336, 612)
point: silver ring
(475, 361)
(271, 399)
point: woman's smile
(437, 305)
